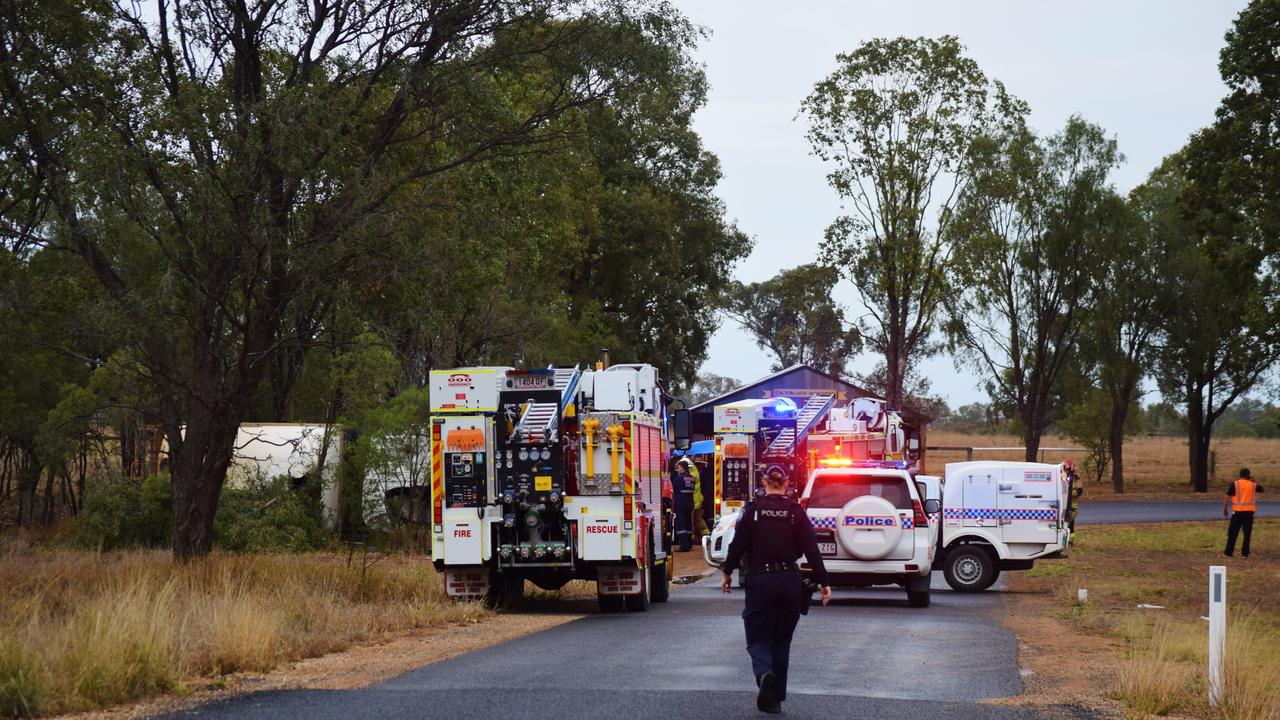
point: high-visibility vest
(1243, 500)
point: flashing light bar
(836, 461)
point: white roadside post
(1217, 629)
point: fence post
(1217, 630)
(968, 455)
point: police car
(872, 525)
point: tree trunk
(1031, 434)
(198, 469)
(1197, 441)
(1119, 412)
(28, 484)
(351, 492)
(894, 376)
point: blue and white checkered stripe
(908, 523)
(999, 514)
(933, 518)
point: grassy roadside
(80, 631)
(1143, 661)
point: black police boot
(767, 698)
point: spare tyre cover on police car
(869, 527)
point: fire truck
(550, 475)
(753, 435)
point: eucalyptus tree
(1224, 335)
(1027, 235)
(793, 316)
(897, 121)
(219, 165)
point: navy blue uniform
(682, 492)
(773, 531)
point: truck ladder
(567, 382)
(539, 421)
(808, 416)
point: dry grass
(83, 631)
(1153, 465)
(1162, 667)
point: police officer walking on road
(772, 533)
(1242, 499)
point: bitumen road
(1100, 513)
(866, 655)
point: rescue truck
(550, 475)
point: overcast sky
(1145, 71)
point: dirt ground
(1075, 654)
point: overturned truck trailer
(550, 475)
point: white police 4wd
(872, 528)
(1000, 516)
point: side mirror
(681, 422)
(932, 506)
(1077, 491)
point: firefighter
(1242, 499)
(773, 532)
(683, 489)
(699, 501)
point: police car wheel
(995, 575)
(969, 569)
(918, 599)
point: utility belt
(774, 566)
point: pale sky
(1147, 72)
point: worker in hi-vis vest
(1242, 498)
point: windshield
(833, 491)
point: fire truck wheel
(505, 592)
(640, 601)
(658, 580)
(610, 603)
(969, 568)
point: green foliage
(1163, 418)
(897, 120)
(793, 316)
(121, 513)
(395, 452)
(710, 385)
(1027, 233)
(267, 516)
(1088, 423)
(974, 418)
(22, 682)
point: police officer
(1242, 499)
(772, 533)
(683, 489)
